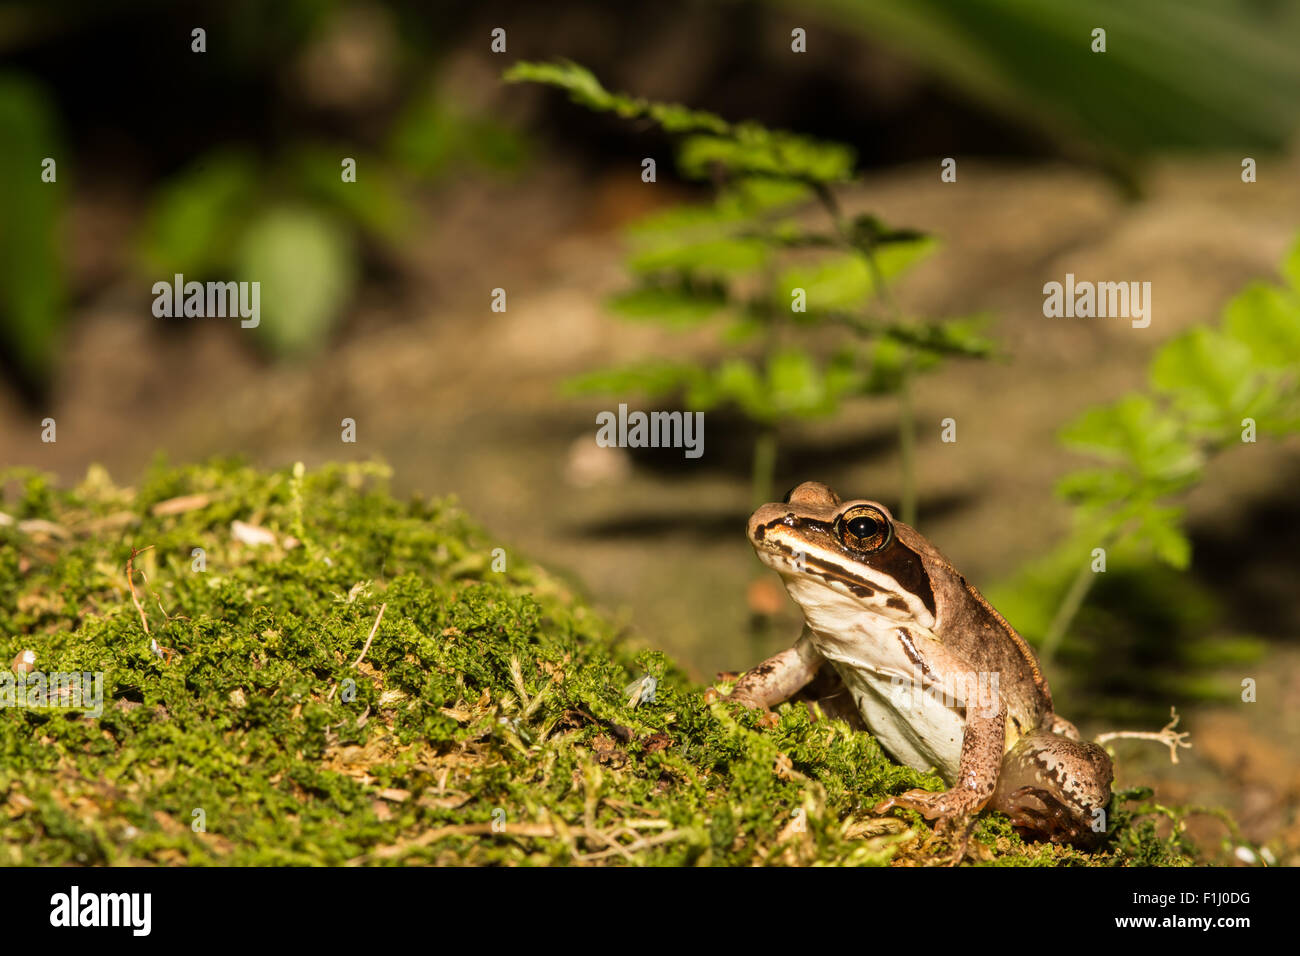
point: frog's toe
(919, 800)
(1036, 813)
(736, 696)
(767, 717)
(931, 805)
(952, 814)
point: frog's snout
(763, 520)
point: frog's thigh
(1059, 725)
(781, 676)
(1052, 785)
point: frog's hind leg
(1059, 725)
(780, 677)
(1054, 787)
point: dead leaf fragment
(251, 534)
(180, 505)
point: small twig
(1166, 735)
(373, 629)
(130, 583)
(642, 844)
(379, 617)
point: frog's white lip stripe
(863, 581)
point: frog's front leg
(780, 677)
(977, 776)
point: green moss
(483, 696)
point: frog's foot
(1036, 813)
(953, 810)
(944, 807)
(768, 717)
(738, 696)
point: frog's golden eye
(864, 529)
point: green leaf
(1291, 266)
(845, 280)
(900, 254)
(681, 307)
(1161, 530)
(752, 150)
(837, 282)
(652, 379)
(303, 260)
(1134, 431)
(583, 88)
(696, 240)
(1266, 320)
(1209, 375)
(743, 149)
(869, 232)
(1099, 486)
(194, 219)
(956, 336)
(889, 364)
(796, 384)
(31, 274)
(434, 136)
(372, 201)
(736, 380)
(756, 194)
(710, 257)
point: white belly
(914, 727)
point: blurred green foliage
(434, 136)
(293, 223)
(1219, 74)
(226, 216)
(1144, 630)
(1210, 389)
(31, 277)
(305, 264)
(800, 301)
(1147, 636)
(274, 209)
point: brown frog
(895, 636)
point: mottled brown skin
(1023, 759)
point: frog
(897, 642)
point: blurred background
(377, 300)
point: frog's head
(844, 556)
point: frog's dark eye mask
(864, 529)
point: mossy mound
(264, 718)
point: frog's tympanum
(895, 639)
